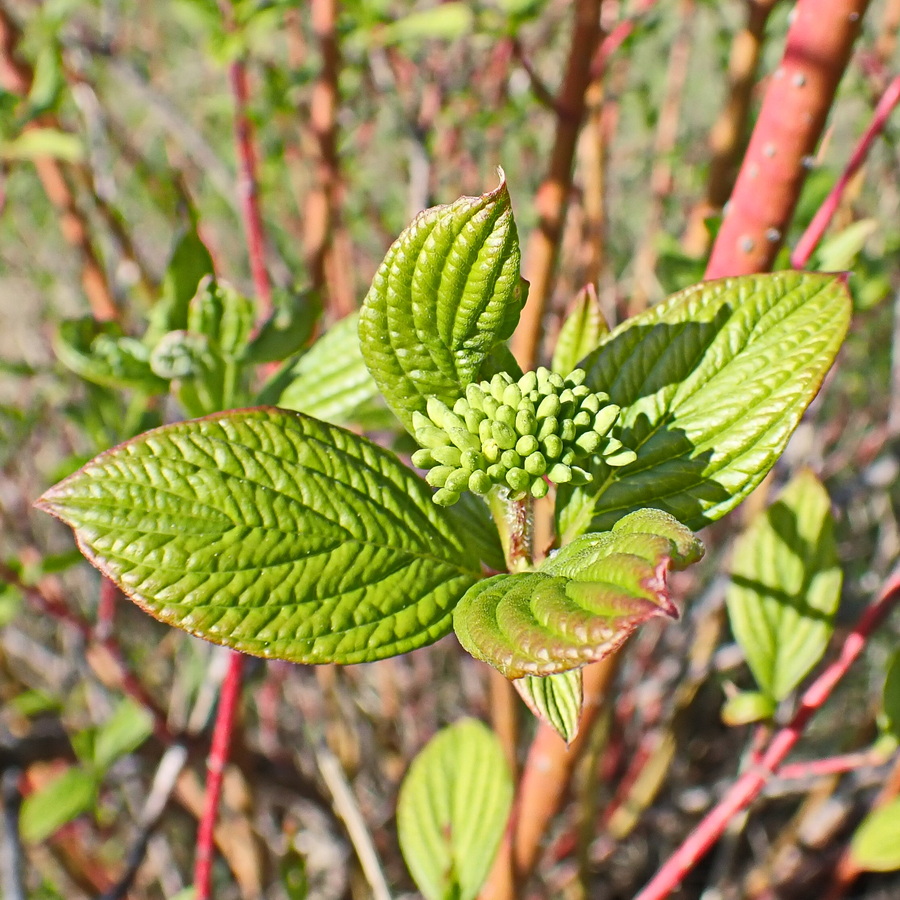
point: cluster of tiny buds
(520, 435)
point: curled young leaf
(446, 294)
(555, 699)
(582, 603)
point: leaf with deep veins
(272, 533)
(712, 383)
(447, 293)
(555, 699)
(581, 604)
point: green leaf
(841, 250)
(555, 699)
(581, 331)
(712, 383)
(889, 720)
(100, 353)
(38, 142)
(288, 329)
(196, 369)
(271, 533)
(876, 845)
(446, 294)
(582, 603)
(190, 263)
(125, 730)
(59, 801)
(447, 22)
(785, 586)
(331, 382)
(452, 811)
(747, 707)
(222, 315)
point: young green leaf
(581, 331)
(712, 383)
(447, 292)
(57, 802)
(747, 707)
(582, 603)
(452, 810)
(101, 353)
(189, 264)
(331, 382)
(222, 315)
(271, 533)
(555, 699)
(889, 720)
(876, 845)
(125, 730)
(785, 586)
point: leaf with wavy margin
(582, 603)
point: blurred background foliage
(398, 106)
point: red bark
(790, 123)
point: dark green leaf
(190, 263)
(785, 586)
(711, 383)
(582, 603)
(890, 704)
(446, 294)
(581, 331)
(452, 810)
(272, 533)
(288, 329)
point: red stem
(247, 188)
(790, 123)
(813, 234)
(832, 765)
(218, 757)
(748, 786)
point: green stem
(515, 523)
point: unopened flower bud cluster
(516, 434)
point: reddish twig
(832, 765)
(218, 757)
(553, 195)
(328, 250)
(617, 36)
(813, 234)
(727, 137)
(247, 188)
(16, 76)
(790, 123)
(748, 785)
(104, 654)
